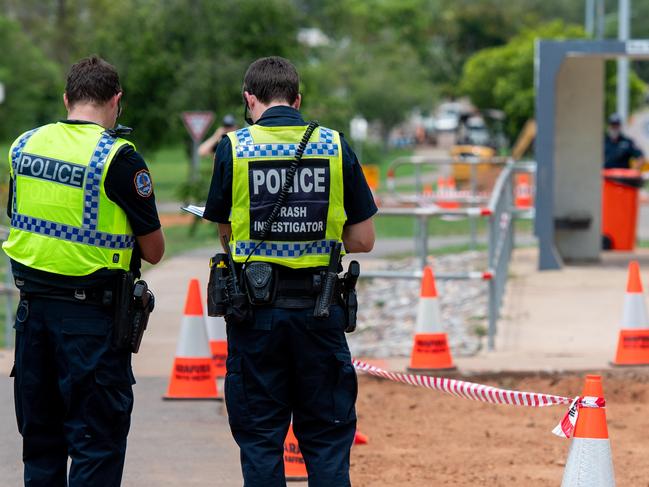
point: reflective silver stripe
(283, 249)
(71, 233)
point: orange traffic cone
(360, 438)
(192, 376)
(218, 343)
(523, 191)
(294, 467)
(633, 340)
(589, 460)
(430, 350)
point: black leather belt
(102, 297)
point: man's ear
(66, 103)
(251, 99)
(115, 99)
(298, 101)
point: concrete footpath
(559, 320)
(556, 320)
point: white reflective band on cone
(634, 314)
(193, 338)
(215, 328)
(429, 318)
(589, 464)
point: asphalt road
(171, 443)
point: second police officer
(283, 362)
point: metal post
(473, 222)
(493, 316)
(418, 185)
(623, 62)
(589, 22)
(601, 19)
(423, 240)
(195, 169)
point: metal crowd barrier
(471, 197)
(501, 212)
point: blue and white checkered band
(285, 150)
(248, 149)
(71, 233)
(244, 137)
(93, 181)
(16, 154)
(326, 135)
(283, 249)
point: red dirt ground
(419, 437)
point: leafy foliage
(503, 77)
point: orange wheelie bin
(620, 208)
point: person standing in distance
(620, 152)
(283, 362)
(82, 214)
(208, 146)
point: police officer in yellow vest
(284, 362)
(82, 215)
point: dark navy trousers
(289, 364)
(73, 394)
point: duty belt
(97, 297)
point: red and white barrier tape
(490, 394)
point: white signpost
(196, 124)
(2, 92)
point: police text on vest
(51, 170)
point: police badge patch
(143, 183)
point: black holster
(133, 302)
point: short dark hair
(92, 80)
(272, 79)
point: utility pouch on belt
(328, 284)
(260, 281)
(134, 302)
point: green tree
(503, 77)
(32, 82)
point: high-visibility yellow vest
(311, 221)
(62, 221)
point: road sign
(197, 123)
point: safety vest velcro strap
(243, 248)
(71, 233)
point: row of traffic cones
(431, 352)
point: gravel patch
(388, 308)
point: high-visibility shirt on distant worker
(62, 221)
(311, 221)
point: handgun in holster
(133, 303)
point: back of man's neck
(88, 114)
